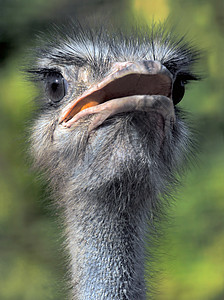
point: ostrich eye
(178, 90)
(56, 86)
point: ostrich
(111, 140)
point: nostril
(121, 65)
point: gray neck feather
(107, 252)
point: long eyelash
(186, 77)
(41, 73)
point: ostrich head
(110, 137)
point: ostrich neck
(108, 197)
(107, 249)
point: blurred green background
(32, 265)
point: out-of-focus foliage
(31, 261)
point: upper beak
(143, 85)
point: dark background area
(32, 264)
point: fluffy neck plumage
(108, 185)
(109, 199)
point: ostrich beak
(142, 86)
